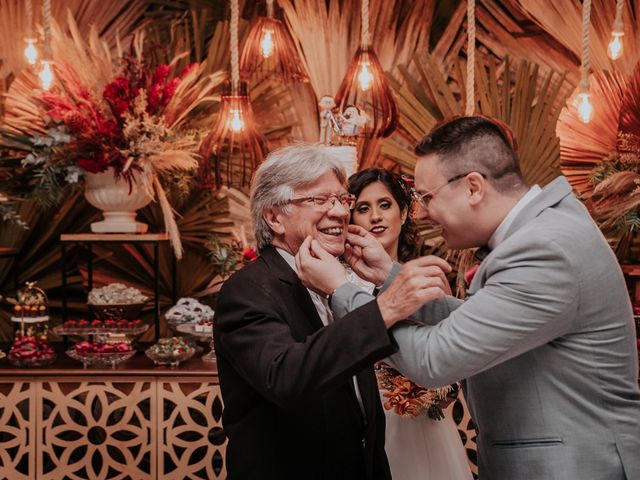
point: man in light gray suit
(546, 338)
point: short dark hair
(408, 242)
(475, 143)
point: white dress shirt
(499, 235)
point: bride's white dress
(420, 448)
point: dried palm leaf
(110, 19)
(328, 34)
(601, 159)
(563, 20)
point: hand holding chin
(366, 255)
(317, 269)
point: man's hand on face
(317, 269)
(419, 281)
(366, 256)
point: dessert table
(89, 239)
(137, 421)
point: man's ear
(273, 217)
(476, 186)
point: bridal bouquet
(408, 399)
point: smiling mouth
(333, 231)
(378, 229)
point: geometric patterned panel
(17, 430)
(97, 430)
(466, 429)
(191, 440)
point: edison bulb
(585, 109)
(266, 45)
(237, 125)
(46, 75)
(31, 52)
(365, 78)
(615, 46)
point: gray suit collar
(552, 194)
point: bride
(418, 447)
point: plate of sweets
(170, 351)
(116, 301)
(101, 354)
(31, 352)
(188, 311)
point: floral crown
(408, 185)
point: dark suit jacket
(290, 409)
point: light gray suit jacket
(546, 342)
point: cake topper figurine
(346, 125)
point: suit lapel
(301, 299)
(300, 295)
(368, 393)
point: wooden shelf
(8, 252)
(632, 274)
(114, 237)
(631, 270)
(138, 365)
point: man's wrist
(387, 312)
(330, 295)
(387, 271)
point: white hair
(282, 172)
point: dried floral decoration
(410, 400)
(128, 115)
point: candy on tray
(189, 310)
(116, 294)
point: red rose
(160, 75)
(470, 273)
(249, 254)
(92, 166)
(154, 94)
(169, 90)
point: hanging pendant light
(617, 31)
(234, 147)
(582, 101)
(269, 50)
(365, 86)
(30, 52)
(46, 72)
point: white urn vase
(118, 201)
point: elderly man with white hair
(299, 389)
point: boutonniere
(470, 273)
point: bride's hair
(408, 243)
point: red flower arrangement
(130, 113)
(142, 121)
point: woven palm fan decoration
(601, 159)
(366, 87)
(269, 50)
(234, 147)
